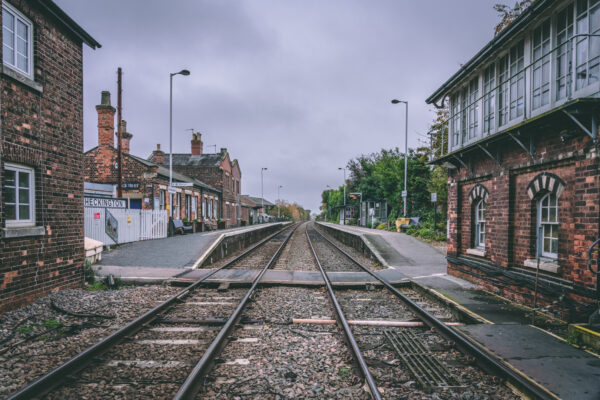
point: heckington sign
(104, 202)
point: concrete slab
(290, 277)
(566, 371)
(175, 252)
(144, 275)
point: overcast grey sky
(297, 86)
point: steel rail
(193, 383)
(487, 359)
(56, 377)
(347, 331)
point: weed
(97, 286)
(344, 372)
(574, 338)
(24, 329)
(52, 323)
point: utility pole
(278, 201)
(119, 134)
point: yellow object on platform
(400, 222)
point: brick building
(217, 170)
(523, 158)
(145, 183)
(41, 146)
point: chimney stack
(125, 137)
(158, 155)
(197, 145)
(106, 121)
(223, 150)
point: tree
(508, 14)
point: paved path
(563, 369)
(180, 251)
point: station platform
(177, 252)
(565, 371)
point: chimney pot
(105, 98)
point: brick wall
(44, 130)
(511, 215)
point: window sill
(18, 232)
(476, 252)
(545, 265)
(22, 79)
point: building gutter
(53, 9)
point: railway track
(427, 355)
(208, 342)
(151, 356)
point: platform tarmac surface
(179, 251)
(568, 372)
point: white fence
(133, 225)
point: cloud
(298, 86)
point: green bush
(382, 226)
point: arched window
(547, 223)
(480, 224)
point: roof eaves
(69, 23)
(531, 12)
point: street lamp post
(344, 169)
(278, 201)
(405, 192)
(262, 196)
(183, 72)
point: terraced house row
(523, 157)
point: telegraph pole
(119, 134)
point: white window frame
(15, 223)
(480, 225)
(8, 8)
(555, 226)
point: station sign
(103, 202)
(172, 190)
(131, 185)
(433, 197)
(182, 184)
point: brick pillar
(586, 217)
(158, 155)
(106, 121)
(453, 219)
(197, 145)
(499, 223)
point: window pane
(595, 19)
(23, 196)
(23, 179)
(8, 20)
(10, 212)
(9, 195)
(552, 217)
(22, 46)
(22, 63)
(547, 246)
(24, 212)
(7, 55)
(9, 178)
(22, 30)
(544, 214)
(554, 248)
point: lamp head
(184, 72)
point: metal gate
(133, 225)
